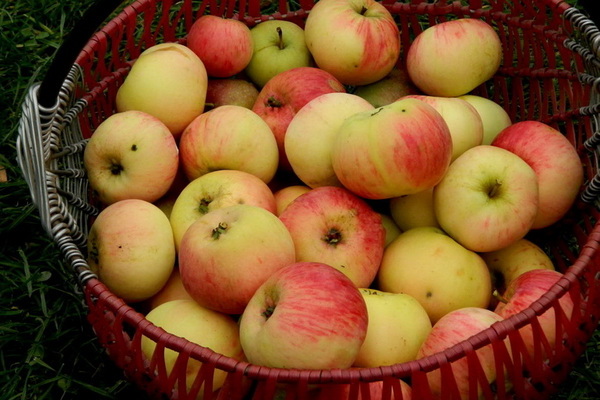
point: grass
(47, 350)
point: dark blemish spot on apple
(133, 147)
(120, 247)
(377, 111)
(403, 110)
(428, 294)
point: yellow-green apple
(488, 198)
(286, 93)
(521, 293)
(463, 120)
(224, 45)
(555, 162)
(278, 46)
(307, 315)
(231, 91)
(189, 320)
(436, 270)
(390, 88)
(398, 325)
(493, 115)
(508, 263)
(229, 137)
(131, 155)
(225, 255)
(172, 290)
(414, 210)
(357, 41)
(215, 190)
(402, 148)
(392, 230)
(287, 194)
(454, 328)
(454, 57)
(168, 81)
(331, 225)
(130, 248)
(311, 132)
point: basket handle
(67, 53)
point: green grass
(47, 349)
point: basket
(550, 73)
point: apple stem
(268, 312)
(363, 10)
(499, 297)
(494, 189)
(116, 169)
(219, 230)
(203, 207)
(280, 34)
(273, 102)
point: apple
(333, 226)
(226, 254)
(555, 162)
(231, 91)
(436, 270)
(311, 132)
(287, 194)
(398, 325)
(199, 325)
(390, 88)
(215, 190)
(463, 120)
(508, 263)
(488, 199)
(130, 248)
(398, 390)
(454, 57)
(524, 290)
(307, 315)
(278, 46)
(224, 45)
(414, 210)
(357, 41)
(131, 155)
(450, 330)
(229, 137)
(169, 81)
(172, 290)
(392, 231)
(286, 93)
(493, 116)
(402, 148)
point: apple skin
(392, 231)
(169, 81)
(494, 117)
(508, 263)
(311, 133)
(488, 198)
(285, 94)
(287, 194)
(172, 290)
(436, 270)
(398, 326)
(454, 57)
(390, 88)
(225, 255)
(451, 329)
(463, 120)
(130, 248)
(207, 328)
(131, 155)
(216, 190)
(237, 92)
(402, 148)
(307, 315)
(278, 46)
(333, 226)
(224, 45)
(525, 289)
(357, 41)
(555, 162)
(414, 210)
(229, 137)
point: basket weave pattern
(549, 73)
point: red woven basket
(550, 73)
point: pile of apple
(291, 197)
